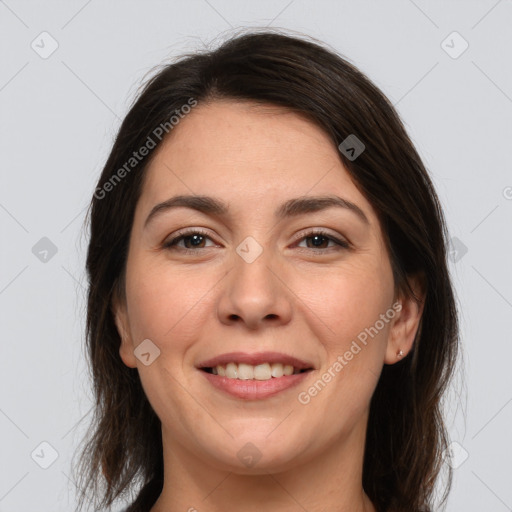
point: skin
(294, 298)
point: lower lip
(255, 389)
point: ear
(119, 311)
(406, 322)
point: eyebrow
(291, 208)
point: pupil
(196, 238)
(317, 238)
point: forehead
(244, 152)
(248, 132)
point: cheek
(165, 303)
(167, 306)
(349, 299)
(354, 346)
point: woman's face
(256, 285)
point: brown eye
(321, 239)
(192, 240)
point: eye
(193, 239)
(320, 237)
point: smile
(243, 371)
(254, 376)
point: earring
(400, 353)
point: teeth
(245, 371)
(264, 371)
(277, 370)
(231, 371)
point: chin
(254, 455)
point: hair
(406, 433)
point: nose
(255, 294)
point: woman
(271, 323)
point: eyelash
(185, 234)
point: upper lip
(255, 359)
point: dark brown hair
(406, 433)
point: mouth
(264, 371)
(254, 376)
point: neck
(332, 481)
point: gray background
(58, 118)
